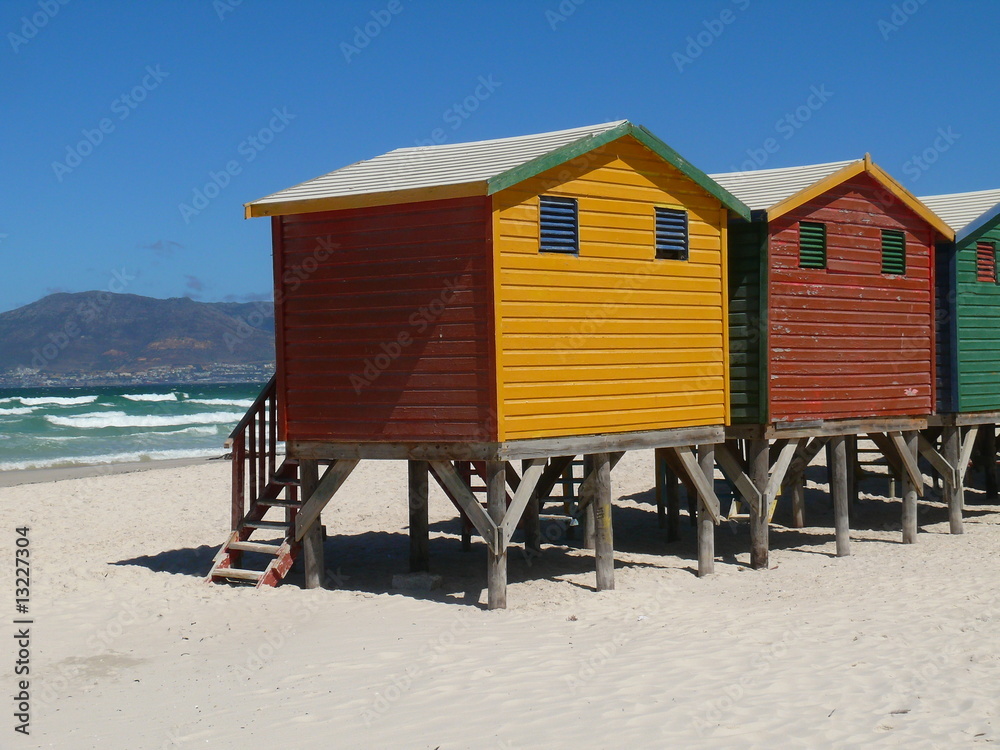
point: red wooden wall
(848, 341)
(383, 317)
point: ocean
(48, 427)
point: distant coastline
(165, 376)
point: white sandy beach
(896, 646)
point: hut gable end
(610, 339)
(851, 340)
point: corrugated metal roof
(764, 188)
(965, 212)
(433, 166)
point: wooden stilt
(419, 533)
(951, 447)
(795, 484)
(532, 525)
(757, 460)
(909, 493)
(797, 488)
(706, 526)
(312, 540)
(496, 507)
(840, 489)
(673, 505)
(851, 454)
(604, 552)
(989, 458)
(660, 469)
(588, 511)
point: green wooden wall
(747, 322)
(978, 329)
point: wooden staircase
(264, 502)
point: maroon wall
(384, 323)
(849, 341)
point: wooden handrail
(253, 443)
(269, 390)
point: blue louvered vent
(560, 227)
(671, 234)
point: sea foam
(244, 402)
(150, 396)
(99, 420)
(57, 400)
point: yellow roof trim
(313, 205)
(865, 165)
(912, 202)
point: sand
(898, 645)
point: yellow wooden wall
(612, 340)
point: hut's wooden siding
(848, 341)
(748, 322)
(387, 337)
(946, 331)
(978, 304)
(612, 340)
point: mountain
(101, 332)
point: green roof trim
(586, 145)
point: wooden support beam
(586, 491)
(446, 475)
(954, 492)
(550, 476)
(795, 485)
(692, 470)
(988, 458)
(891, 455)
(777, 477)
(496, 505)
(671, 490)
(906, 443)
(660, 472)
(604, 549)
(839, 488)
(968, 445)
(908, 457)
(797, 490)
(851, 446)
(312, 542)
(947, 469)
(313, 504)
(523, 495)
(757, 462)
(513, 479)
(706, 523)
(585, 506)
(732, 467)
(809, 451)
(532, 522)
(419, 528)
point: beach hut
(522, 299)
(968, 334)
(831, 328)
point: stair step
(275, 525)
(267, 549)
(239, 573)
(286, 481)
(280, 503)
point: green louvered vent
(560, 229)
(893, 252)
(812, 245)
(671, 234)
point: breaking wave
(99, 420)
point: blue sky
(119, 114)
